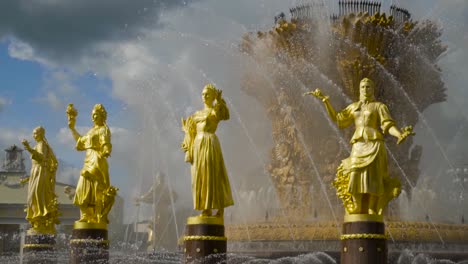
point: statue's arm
(330, 110)
(221, 109)
(53, 162)
(147, 197)
(71, 126)
(394, 131)
(38, 154)
(388, 125)
(188, 126)
(106, 150)
(325, 99)
(401, 135)
(75, 134)
(105, 141)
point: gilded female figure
(94, 194)
(210, 183)
(41, 211)
(362, 179)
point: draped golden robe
(94, 176)
(41, 190)
(366, 167)
(210, 183)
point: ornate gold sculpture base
(39, 249)
(204, 240)
(363, 240)
(282, 237)
(89, 244)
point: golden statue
(362, 180)
(210, 183)
(94, 194)
(41, 211)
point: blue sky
(28, 100)
(146, 61)
(34, 94)
(25, 89)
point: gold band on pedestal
(363, 236)
(83, 225)
(362, 218)
(215, 238)
(38, 246)
(207, 220)
(88, 241)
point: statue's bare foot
(83, 220)
(220, 213)
(206, 212)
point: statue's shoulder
(104, 130)
(379, 104)
(353, 106)
(198, 115)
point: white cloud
(61, 81)
(3, 103)
(52, 100)
(10, 136)
(58, 87)
(64, 136)
(23, 51)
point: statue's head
(38, 133)
(366, 89)
(208, 93)
(99, 114)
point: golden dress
(210, 183)
(41, 189)
(366, 168)
(94, 176)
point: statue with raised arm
(41, 212)
(94, 194)
(362, 180)
(210, 183)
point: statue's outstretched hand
(405, 132)
(317, 93)
(71, 113)
(26, 144)
(218, 94)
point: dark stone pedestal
(363, 242)
(39, 249)
(204, 241)
(89, 244)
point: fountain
(297, 218)
(362, 41)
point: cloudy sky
(147, 60)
